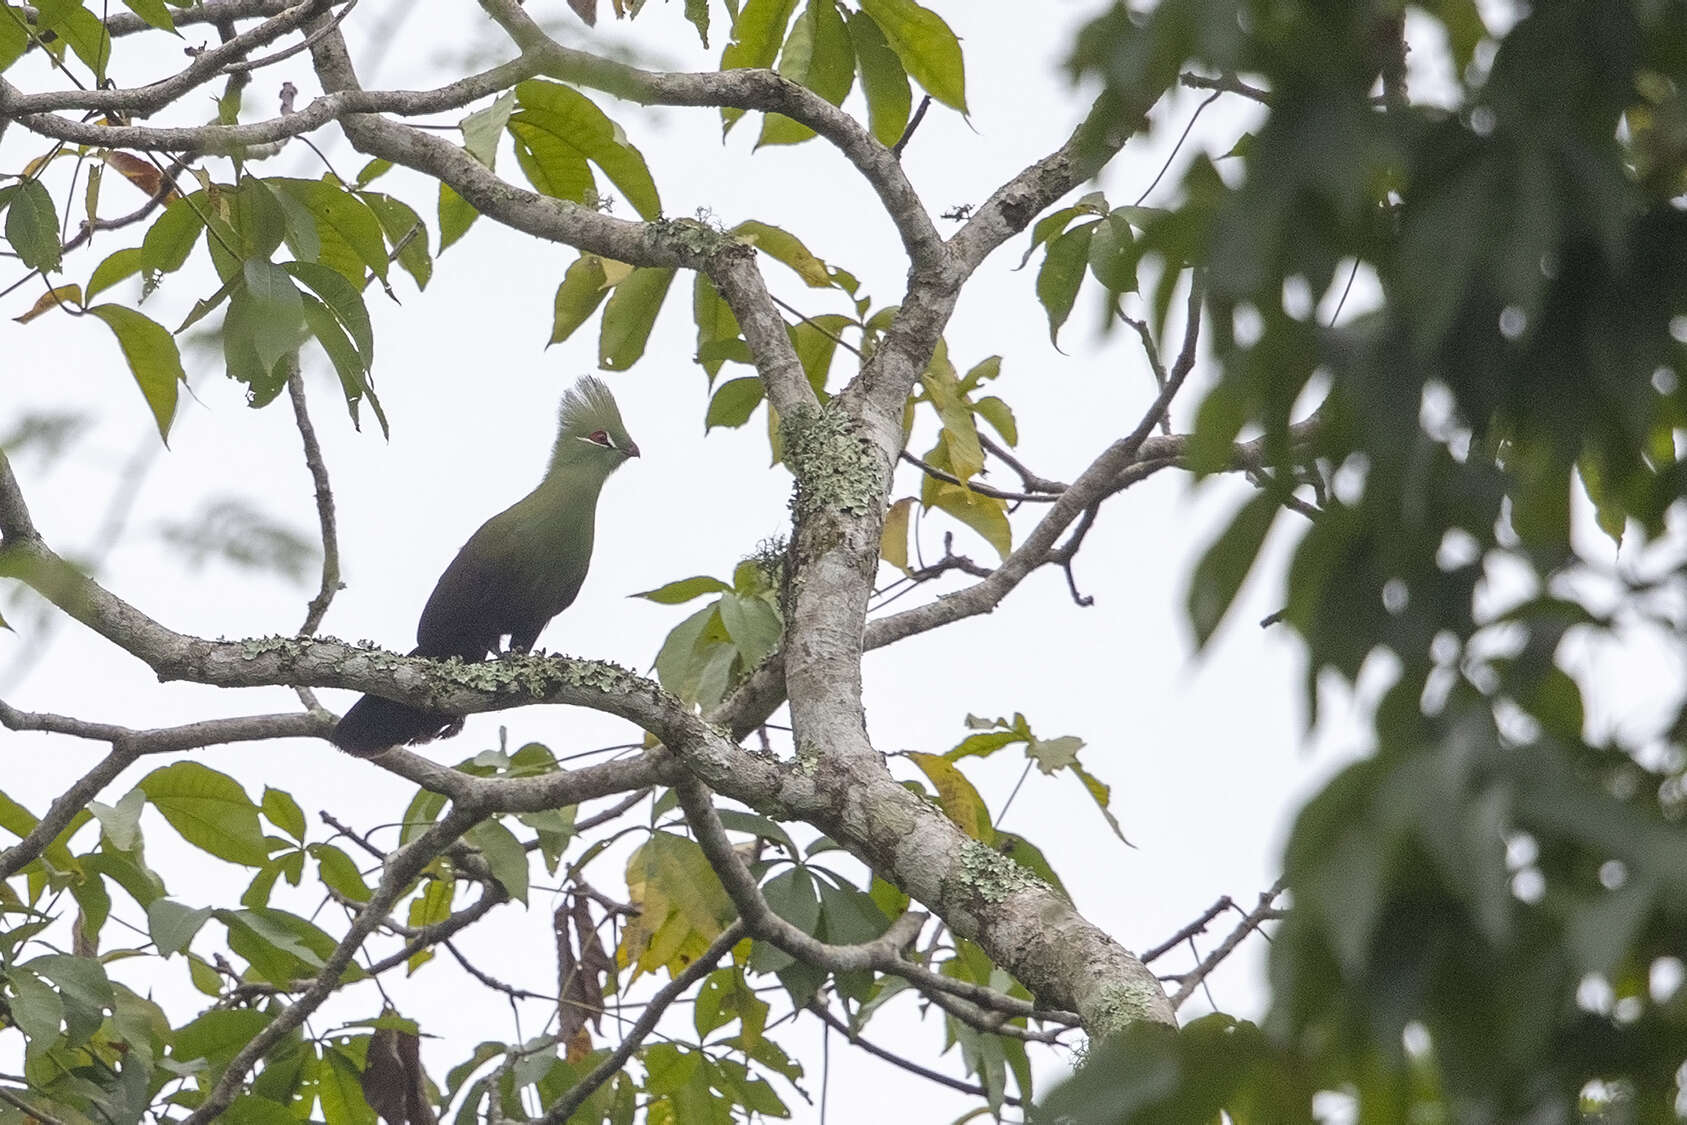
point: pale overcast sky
(1207, 758)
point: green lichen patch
(537, 676)
(834, 466)
(694, 236)
(1120, 1004)
(991, 875)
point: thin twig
(979, 487)
(331, 584)
(1259, 915)
(819, 1009)
(913, 123)
(1198, 926)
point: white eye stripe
(604, 444)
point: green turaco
(522, 568)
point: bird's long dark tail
(374, 724)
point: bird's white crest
(588, 405)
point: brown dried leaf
(138, 171)
(587, 10)
(394, 1084)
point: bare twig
(979, 487)
(331, 584)
(1225, 84)
(913, 123)
(1259, 915)
(1198, 926)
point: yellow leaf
(893, 544)
(614, 273)
(956, 796)
(984, 514)
(682, 906)
(52, 299)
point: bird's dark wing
(466, 612)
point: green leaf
(1061, 274)
(928, 49)
(456, 216)
(339, 872)
(352, 239)
(733, 403)
(560, 127)
(406, 234)
(581, 292)
(81, 30)
(83, 986)
(784, 247)
(684, 590)
(1214, 583)
(697, 12)
(682, 906)
(278, 315)
(818, 55)
(14, 39)
(1000, 416)
(756, 36)
(340, 1091)
(1113, 254)
(153, 359)
(32, 226)
(956, 796)
(120, 264)
(883, 80)
(344, 300)
(218, 1035)
(170, 238)
(753, 625)
(172, 926)
(717, 328)
(35, 1008)
(482, 128)
(372, 171)
(281, 810)
(209, 809)
(504, 855)
(630, 315)
(121, 823)
(348, 365)
(154, 12)
(678, 662)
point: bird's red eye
(600, 437)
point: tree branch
(318, 607)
